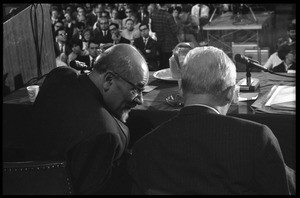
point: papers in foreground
(280, 100)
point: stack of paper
(283, 98)
(280, 100)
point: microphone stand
(248, 84)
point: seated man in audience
(287, 54)
(290, 39)
(147, 46)
(115, 34)
(61, 44)
(88, 60)
(102, 34)
(203, 151)
(80, 119)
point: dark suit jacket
(202, 152)
(124, 40)
(151, 45)
(68, 50)
(72, 124)
(281, 67)
(98, 35)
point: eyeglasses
(63, 34)
(134, 92)
(103, 23)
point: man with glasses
(147, 46)
(81, 119)
(115, 34)
(61, 44)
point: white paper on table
(149, 88)
(284, 97)
(248, 96)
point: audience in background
(114, 17)
(61, 43)
(289, 39)
(115, 34)
(128, 12)
(163, 24)
(101, 33)
(93, 16)
(287, 54)
(76, 46)
(202, 150)
(121, 11)
(87, 36)
(69, 25)
(143, 14)
(201, 12)
(77, 33)
(130, 32)
(88, 60)
(147, 46)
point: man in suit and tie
(88, 60)
(61, 45)
(81, 119)
(147, 46)
(203, 151)
(101, 33)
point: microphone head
(239, 58)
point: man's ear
(228, 94)
(108, 81)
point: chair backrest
(36, 178)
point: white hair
(207, 70)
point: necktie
(61, 48)
(104, 33)
(200, 11)
(92, 63)
(145, 41)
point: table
(223, 30)
(17, 114)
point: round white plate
(164, 74)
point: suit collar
(202, 109)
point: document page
(283, 98)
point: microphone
(248, 61)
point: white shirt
(204, 11)
(273, 61)
(203, 105)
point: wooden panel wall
(19, 51)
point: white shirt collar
(204, 106)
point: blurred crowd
(154, 29)
(75, 25)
